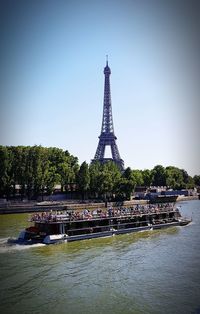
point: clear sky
(51, 78)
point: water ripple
(151, 272)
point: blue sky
(52, 59)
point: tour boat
(56, 227)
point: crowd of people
(72, 215)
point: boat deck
(122, 213)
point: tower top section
(107, 69)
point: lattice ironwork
(107, 136)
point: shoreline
(33, 207)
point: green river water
(148, 272)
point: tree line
(36, 170)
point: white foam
(6, 246)
(3, 240)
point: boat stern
(22, 236)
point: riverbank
(31, 207)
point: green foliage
(197, 180)
(83, 179)
(147, 177)
(137, 174)
(190, 184)
(126, 184)
(158, 176)
(178, 179)
(36, 170)
(95, 171)
(174, 178)
(6, 176)
(104, 179)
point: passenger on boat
(111, 212)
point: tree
(126, 184)
(174, 178)
(196, 179)
(95, 171)
(52, 179)
(83, 179)
(190, 184)
(18, 168)
(147, 177)
(6, 178)
(43, 175)
(104, 180)
(137, 174)
(112, 175)
(185, 176)
(158, 176)
(73, 171)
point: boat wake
(3, 241)
(147, 230)
(12, 244)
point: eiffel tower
(107, 137)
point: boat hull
(125, 231)
(66, 238)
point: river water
(149, 272)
